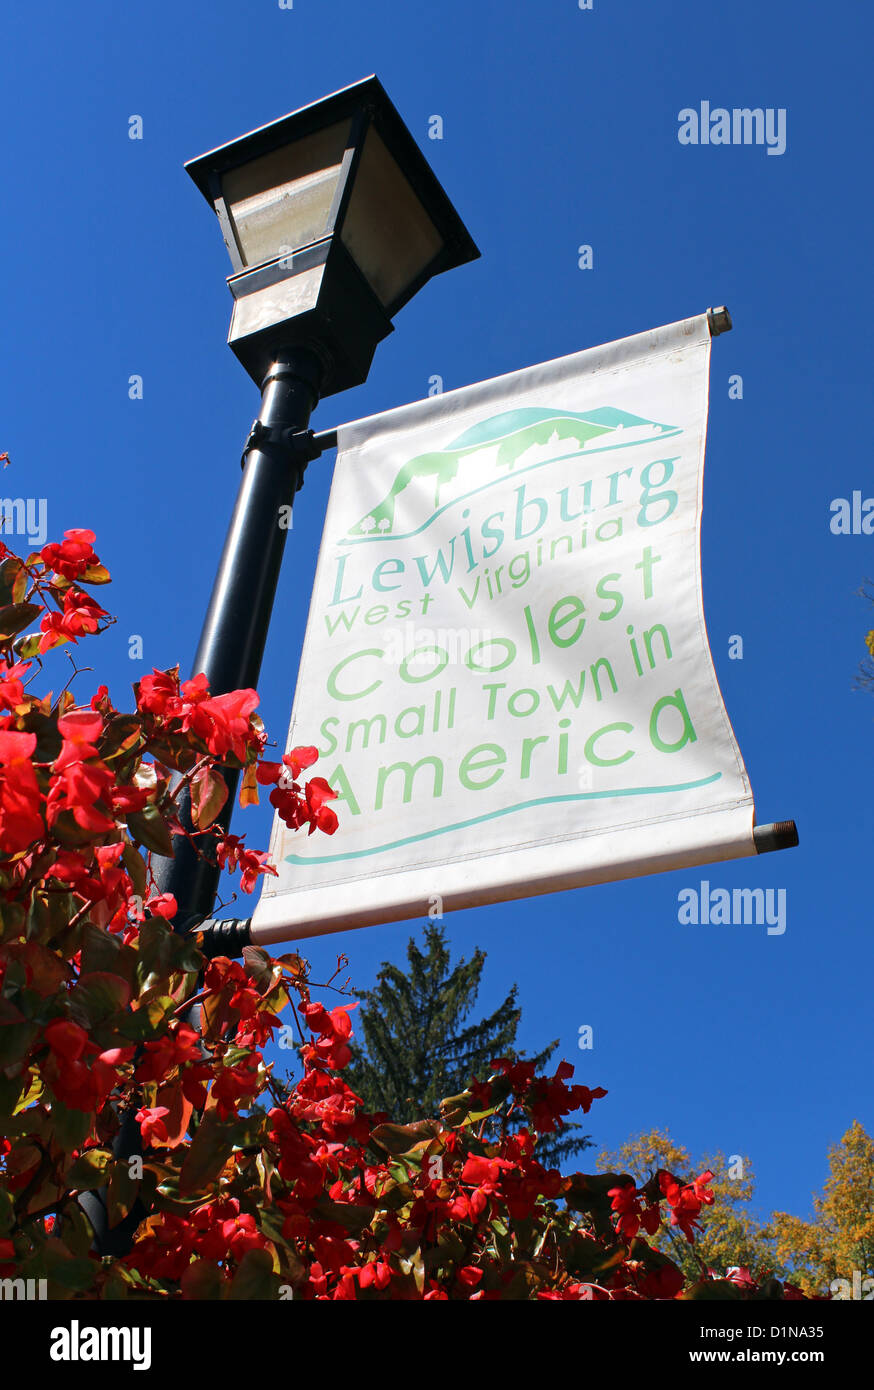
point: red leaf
(209, 792)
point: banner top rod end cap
(782, 834)
(719, 321)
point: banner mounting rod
(718, 321)
(229, 936)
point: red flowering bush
(247, 1186)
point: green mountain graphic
(514, 432)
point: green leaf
(95, 574)
(31, 1093)
(147, 826)
(248, 1130)
(402, 1139)
(186, 956)
(16, 1040)
(590, 1192)
(48, 739)
(415, 1265)
(7, 1211)
(255, 1277)
(66, 1273)
(353, 1218)
(20, 584)
(278, 999)
(89, 1170)
(124, 1283)
(9, 1012)
(525, 1279)
(14, 617)
(104, 953)
(11, 1089)
(28, 647)
(29, 1125)
(167, 1196)
(202, 1281)
(69, 832)
(611, 1258)
(393, 1195)
(117, 1286)
(210, 1149)
(71, 1127)
(271, 1221)
(13, 581)
(173, 752)
(162, 951)
(45, 970)
(121, 736)
(76, 1231)
(123, 1190)
(451, 1249)
(136, 867)
(149, 1020)
(709, 1289)
(154, 950)
(98, 996)
(12, 915)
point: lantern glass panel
(386, 229)
(281, 201)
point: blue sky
(560, 128)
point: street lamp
(333, 220)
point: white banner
(506, 668)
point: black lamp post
(333, 220)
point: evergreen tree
(418, 1047)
